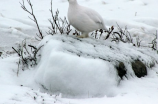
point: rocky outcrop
(139, 68)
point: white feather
(84, 19)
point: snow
(82, 71)
(140, 17)
(68, 63)
(12, 90)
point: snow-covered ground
(141, 19)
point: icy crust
(83, 67)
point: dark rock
(121, 70)
(139, 69)
(0, 54)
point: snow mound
(86, 67)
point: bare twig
(58, 24)
(27, 54)
(55, 19)
(109, 32)
(122, 35)
(32, 14)
(18, 68)
(138, 41)
(154, 42)
(16, 51)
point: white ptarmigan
(84, 19)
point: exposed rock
(121, 70)
(0, 54)
(139, 68)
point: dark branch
(32, 14)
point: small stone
(139, 68)
(121, 70)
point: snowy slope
(141, 19)
(140, 16)
(12, 90)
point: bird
(84, 19)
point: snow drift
(86, 67)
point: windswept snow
(141, 19)
(78, 67)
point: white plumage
(84, 19)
